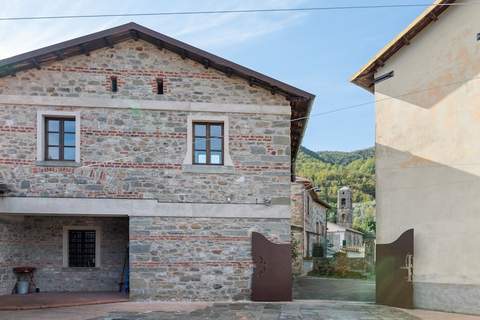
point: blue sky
(315, 51)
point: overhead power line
(373, 102)
(239, 11)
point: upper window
(113, 84)
(159, 86)
(60, 141)
(208, 143)
(81, 248)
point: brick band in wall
(188, 264)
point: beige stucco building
(427, 151)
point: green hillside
(331, 170)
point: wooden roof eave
(364, 78)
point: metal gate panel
(394, 272)
(272, 276)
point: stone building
(344, 239)
(127, 137)
(308, 223)
(425, 82)
(344, 207)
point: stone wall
(152, 146)
(306, 213)
(137, 65)
(44, 236)
(297, 235)
(12, 251)
(138, 153)
(297, 199)
(315, 221)
(196, 258)
(150, 143)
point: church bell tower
(344, 207)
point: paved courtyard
(307, 288)
(317, 310)
(220, 311)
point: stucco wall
(427, 148)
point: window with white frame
(81, 247)
(208, 141)
(58, 136)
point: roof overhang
(365, 77)
(300, 101)
(308, 185)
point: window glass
(200, 144)
(53, 125)
(208, 143)
(69, 139)
(53, 139)
(60, 139)
(216, 157)
(201, 157)
(200, 130)
(215, 131)
(53, 153)
(69, 153)
(69, 126)
(216, 144)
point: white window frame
(227, 160)
(41, 115)
(98, 241)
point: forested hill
(331, 170)
(339, 157)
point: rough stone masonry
(171, 257)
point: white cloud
(206, 31)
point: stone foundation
(196, 258)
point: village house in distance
(308, 225)
(129, 138)
(427, 90)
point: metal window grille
(81, 248)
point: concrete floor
(314, 310)
(316, 288)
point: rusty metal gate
(272, 276)
(394, 272)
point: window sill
(197, 168)
(58, 164)
(81, 269)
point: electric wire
(101, 164)
(239, 11)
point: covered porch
(76, 260)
